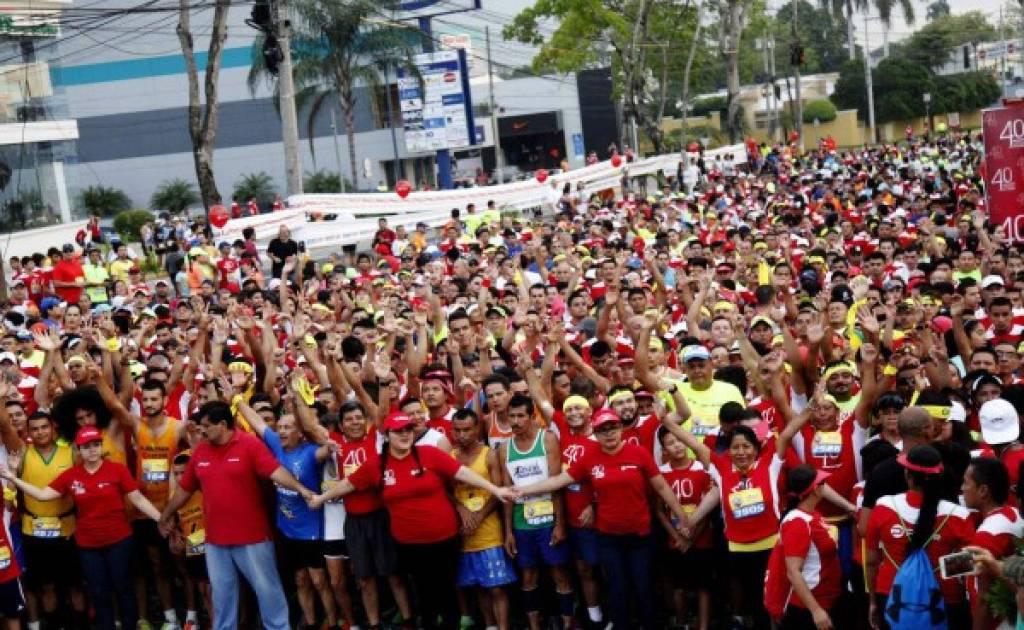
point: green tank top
(535, 511)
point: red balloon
(542, 175)
(219, 216)
(616, 160)
(403, 188)
(693, 147)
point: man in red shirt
(68, 276)
(227, 267)
(229, 466)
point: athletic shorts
(335, 549)
(370, 545)
(533, 549)
(583, 544)
(12, 599)
(50, 561)
(693, 569)
(195, 566)
(487, 568)
(302, 554)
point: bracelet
(673, 389)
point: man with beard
(435, 384)
(839, 379)
(156, 438)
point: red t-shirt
(835, 452)
(228, 276)
(642, 433)
(99, 502)
(620, 486)
(415, 494)
(351, 457)
(999, 531)
(9, 567)
(1012, 458)
(690, 484)
(749, 501)
(808, 537)
(67, 271)
(885, 530)
(578, 495)
(229, 476)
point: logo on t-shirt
(573, 452)
(389, 477)
(597, 472)
(897, 531)
(77, 487)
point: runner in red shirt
(227, 267)
(103, 533)
(812, 555)
(413, 487)
(892, 532)
(620, 474)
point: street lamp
(927, 98)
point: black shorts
(12, 599)
(302, 554)
(370, 546)
(50, 561)
(147, 534)
(693, 569)
(335, 549)
(195, 566)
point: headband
(575, 401)
(928, 470)
(621, 395)
(240, 366)
(938, 411)
(840, 367)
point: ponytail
(799, 482)
(931, 488)
(386, 453)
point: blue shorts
(533, 549)
(487, 568)
(583, 543)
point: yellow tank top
(488, 535)
(113, 450)
(153, 464)
(192, 525)
(47, 519)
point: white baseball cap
(999, 422)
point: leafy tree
(103, 201)
(130, 222)
(821, 35)
(324, 182)
(337, 46)
(937, 9)
(820, 110)
(174, 196)
(258, 186)
(935, 42)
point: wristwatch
(673, 389)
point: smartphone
(957, 564)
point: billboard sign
(1003, 130)
(437, 113)
(411, 9)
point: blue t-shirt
(294, 518)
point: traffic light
(272, 55)
(796, 54)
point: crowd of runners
(764, 394)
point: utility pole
(499, 158)
(289, 119)
(397, 170)
(798, 114)
(337, 149)
(867, 80)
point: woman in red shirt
(103, 533)
(412, 481)
(620, 474)
(902, 523)
(812, 555)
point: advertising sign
(1003, 129)
(437, 113)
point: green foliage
(704, 106)
(103, 201)
(933, 44)
(937, 9)
(820, 110)
(324, 181)
(258, 186)
(128, 223)
(716, 137)
(823, 37)
(174, 196)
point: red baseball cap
(604, 416)
(397, 422)
(88, 434)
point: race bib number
(196, 542)
(46, 527)
(155, 470)
(746, 503)
(539, 512)
(5, 557)
(827, 444)
(702, 428)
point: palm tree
(846, 8)
(258, 186)
(103, 201)
(337, 46)
(175, 196)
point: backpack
(777, 589)
(915, 601)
